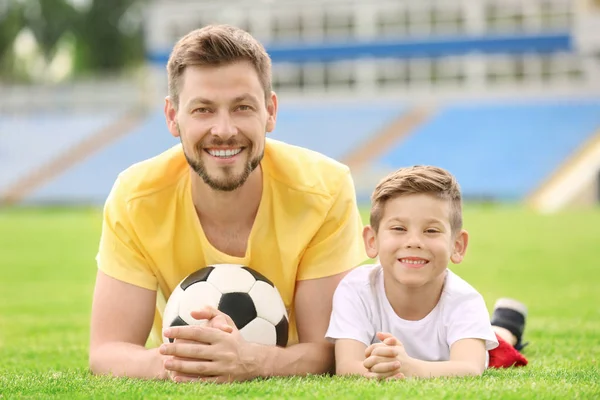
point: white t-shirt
(361, 309)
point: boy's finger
(385, 351)
(389, 367)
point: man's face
(221, 120)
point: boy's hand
(387, 360)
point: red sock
(506, 356)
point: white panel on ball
(268, 302)
(259, 331)
(195, 297)
(231, 278)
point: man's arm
(122, 316)
(205, 353)
(313, 354)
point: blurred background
(503, 93)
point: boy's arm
(349, 357)
(467, 358)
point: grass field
(552, 263)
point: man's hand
(213, 352)
(387, 360)
(215, 319)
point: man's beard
(230, 182)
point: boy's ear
(370, 239)
(460, 247)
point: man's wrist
(259, 360)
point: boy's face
(415, 242)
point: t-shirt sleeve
(350, 317)
(120, 255)
(468, 318)
(337, 246)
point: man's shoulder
(303, 169)
(152, 175)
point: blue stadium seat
(499, 150)
(333, 129)
(30, 141)
(91, 180)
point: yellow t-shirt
(307, 225)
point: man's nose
(224, 126)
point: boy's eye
(398, 228)
(432, 230)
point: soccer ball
(249, 298)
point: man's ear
(272, 111)
(461, 241)
(171, 116)
(370, 239)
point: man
(225, 195)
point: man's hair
(215, 46)
(418, 180)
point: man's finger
(204, 334)
(193, 368)
(193, 350)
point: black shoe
(510, 314)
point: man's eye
(244, 107)
(200, 110)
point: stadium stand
(333, 129)
(28, 142)
(499, 151)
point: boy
(411, 316)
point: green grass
(551, 262)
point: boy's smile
(415, 241)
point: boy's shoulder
(458, 291)
(362, 278)
(362, 273)
(457, 286)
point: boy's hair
(418, 179)
(214, 46)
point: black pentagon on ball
(199, 276)
(282, 332)
(258, 276)
(239, 306)
(177, 322)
